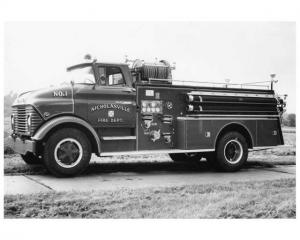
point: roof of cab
(81, 65)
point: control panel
(156, 120)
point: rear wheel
(67, 152)
(186, 157)
(31, 159)
(231, 152)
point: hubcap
(233, 151)
(68, 153)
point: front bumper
(22, 146)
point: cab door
(112, 103)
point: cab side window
(111, 76)
(115, 76)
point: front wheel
(231, 153)
(67, 152)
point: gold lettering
(109, 106)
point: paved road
(27, 184)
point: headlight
(12, 121)
(29, 122)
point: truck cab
(136, 108)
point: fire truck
(136, 107)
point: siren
(89, 59)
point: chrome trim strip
(73, 101)
(126, 102)
(231, 94)
(223, 115)
(211, 118)
(119, 138)
(103, 154)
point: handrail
(257, 82)
(225, 85)
(249, 85)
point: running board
(107, 154)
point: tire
(67, 152)
(186, 157)
(231, 152)
(31, 159)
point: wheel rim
(233, 151)
(68, 153)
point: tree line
(8, 101)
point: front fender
(46, 127)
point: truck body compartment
(202, 133)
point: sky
(37, 53)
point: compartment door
(268, 132)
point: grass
(14, 165)
(7, 131)
(281, 155)
(289, 129)
(262, 199)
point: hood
(49, 101)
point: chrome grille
(20, 114)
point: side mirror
(102, 79)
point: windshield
(83, 75)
